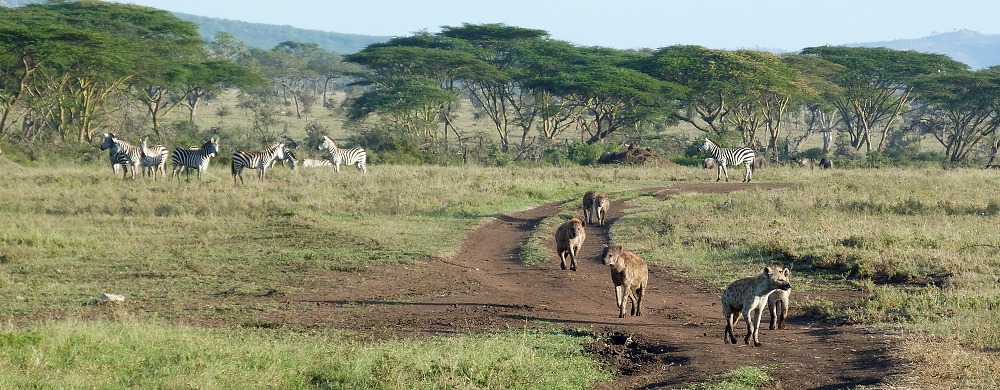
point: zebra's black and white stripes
(154, 160)
(730, 156)
(312, 163)
(195, 158)
(344, 156)
(123, 153)
(258, 159)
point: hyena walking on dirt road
(601, 206)
(777, 306)
(630, 276)
(588, 207)
(569, 240)
(748, 296)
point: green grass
(742, 378)
(921, 245)
(142, 354)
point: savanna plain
(918, 246)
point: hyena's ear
(767, 271)
(786, 272)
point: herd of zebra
(152, 160)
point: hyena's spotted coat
(569, 240)
(588, 207)
(601, 206)
(748, 296)
(630, 276)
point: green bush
(584, 153)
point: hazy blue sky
(725, 24)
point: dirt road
(678, 340)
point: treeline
(71, 68)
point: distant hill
(267, 36)
(979, 51)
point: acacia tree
(412, 82)
(712, 77)
(814, 95)
(499, 93)
(960, 109)
(543, 64)
(615, 95)
(86, 54)
(876, 86)
(210, 76)
(762, 87)
(228, 64)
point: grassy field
(922, 244)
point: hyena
(748, 296)
(588, 207)
(569, 240)
(777, 305)
(601, 206)
(630, 276)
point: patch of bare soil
(677, 341)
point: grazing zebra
(154, 160)
(729, 156)
(121, 152)
(344, 156)
(289, 156)
(195, 158)
(258, 159)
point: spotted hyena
(569, 240)
(777, 306)
(601, 206)
(630, 276)
(748, 297)
(588, 207)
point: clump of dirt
(629, 354)
(634, 155)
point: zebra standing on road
(344, 156)
(195, 158)
(730, 156)
(154, 160)
(258, 159)
(121, 152)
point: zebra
(195, 158)
(123, 153)
(154, 160)
(730, 156)
(289, 156)
(258, 159)
(309, 163)
(344, 156)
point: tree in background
(618, 96)
(412, 83)
(710, 77)
(499, 93)
(959, 109)
(814, 95)
(876, 86)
